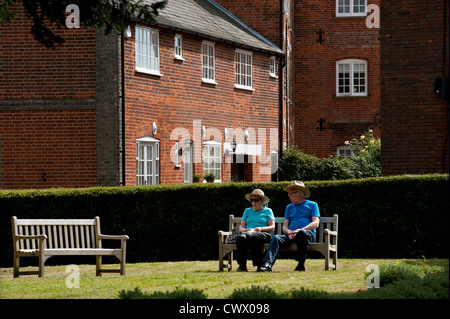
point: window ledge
(351, 96)
(209, 81)
(147, 71)
(355, 16)
(243, 87)
(179, 58)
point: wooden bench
(326, 241)
(45, 238)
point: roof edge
(236, 19)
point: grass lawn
(203, 275)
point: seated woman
(257, 223)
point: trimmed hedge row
(391, 217)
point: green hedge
(402, 216)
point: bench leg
(41, 265)
(98, 265)
(16, 266)
(230, 261)
(220, 262)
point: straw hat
(297, 185)
(259, 193)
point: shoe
(300, 267)
(241, 269)
(266, 267)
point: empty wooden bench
(326, 241)
(45, 238)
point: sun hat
(259, 193)
(297, 185)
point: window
(344, 151)
(350, 8)
(208, 71)
(147, 50)
(178, 47)
(351, 78)
(243, 69)
(212, 159)
(147, 161)
(273, 67)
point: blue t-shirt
(301, 215)
(258, 218)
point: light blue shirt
(300, 215)
(258, 218)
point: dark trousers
(302, 239)
(255, 242)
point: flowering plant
(366, 144)
(367, 155)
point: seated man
(302, 217)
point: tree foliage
(113, 15)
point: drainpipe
(122, 58)
(280, 73)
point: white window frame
(341, 5)
(178, 50)
(208, 62)
(347, 75)
(147, 50)
(243, 70)
(212, 164)
(344, 151)
(147, 161)
(273, 67)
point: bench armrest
(118, 237)
(330, 232)
(223, 235)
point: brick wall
(29, 70)
(263, 16)
(273, 19)
(47, 109)
(315, 77)
(412, 116)
(178, 98)
(43, 149)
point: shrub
(296, 165)
(396, 228)
(365, 163)
(176, 294)
(254, 292)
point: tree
(113, 15)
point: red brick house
(328, 49)
(196, 93)
(337, 75)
